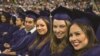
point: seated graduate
(26, 35)
(58, 45)
(83, 39)
(43, 35)
(15, 35)
(4, 29)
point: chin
(59, 37)
(41, 33)
(77, 49)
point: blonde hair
(55, 48)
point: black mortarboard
(21, 16)
(82, 20)
(45, 13)
(61, 13)
(31, 14)
(78, 14)
(81, 16)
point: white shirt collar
(33, 30)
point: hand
(6, 45)
(9, 52)
(5, 33)
(6, 51)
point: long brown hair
(89, 32)
(58, 48)
(46, 36)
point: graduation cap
(61, 13)
(80, 15)
(31, 14)
(21, 16)
(45, 14)
(83, 20)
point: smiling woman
(43, 36)
(83, 40)
(61, 22)
(59, 28)
(58, 45)
(41, 26)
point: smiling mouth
(58, 35)
(75, 44)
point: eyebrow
(75, 31)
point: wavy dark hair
(89, 32)
(46, 36)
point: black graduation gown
(21, 47)
(46, 51)
(4, 38)
(35, 51)
(95, 51)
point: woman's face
(3, 19)
(59, 28)
(41, 27)
(77, 37)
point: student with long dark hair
(43, 36)
(83, 39)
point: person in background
(4, 29)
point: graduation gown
(21, 47)
(35, 51)
(46, 51)
(95, 51)
(4, 38)
(98, 33)
(13, 28)
(17, 35)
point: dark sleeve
(23, 42)
(20, 44)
